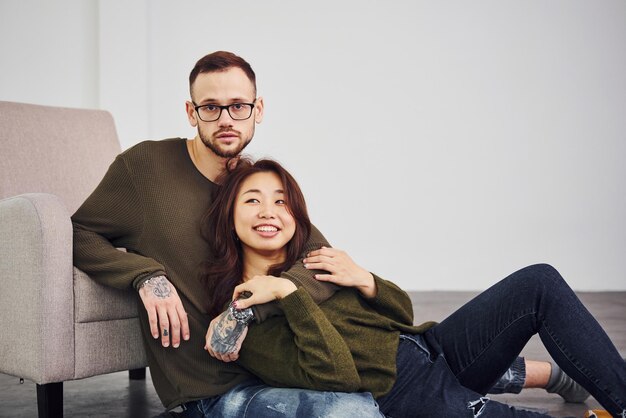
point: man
(150, 202)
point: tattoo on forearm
(226, 333)
(159, 286)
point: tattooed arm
(225, 336)
(166, 314)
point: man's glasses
(212, 112)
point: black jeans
(447, 371)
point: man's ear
(191, 114)
(259, 107)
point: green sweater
(150, 202)
(347, 343)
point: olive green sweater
(347, 343)
(150, 202)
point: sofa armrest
(36, 288)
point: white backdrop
(443, 144)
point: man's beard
(219, 152)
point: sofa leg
(50, 400)
(137, 374)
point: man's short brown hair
(221, 61)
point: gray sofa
(57, 323)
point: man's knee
(360, 405)
(282, 402)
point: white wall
(49, 52)
(443, 144)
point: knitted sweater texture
(150, 202)
(346, 344)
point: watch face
(244, 315)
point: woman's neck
(256, 263)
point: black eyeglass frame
(227, 107)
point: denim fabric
(512, 381)
(482, 339)
(426, 387)
(256, 400)
(447, 371)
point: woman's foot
(565, 386)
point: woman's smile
(267, 230)
(261, 216)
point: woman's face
(262, 221)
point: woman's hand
(264, 289)
(343, 271)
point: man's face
(225, 137)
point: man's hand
(343, 271)
(166, 314)
(225, 336)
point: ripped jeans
(253, 399)
(447, 371)
(512, 381)
(257, 400)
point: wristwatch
(243, 316)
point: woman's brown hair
(223, 268)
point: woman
(362, 338)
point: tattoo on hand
(226, 333)
(159, 286)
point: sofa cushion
(96, 302)
(107, 346)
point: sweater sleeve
(301, 277)
(392, 302)
(309, 353)
(112, 217)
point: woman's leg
(426, 387)
(513, 380)
(524, 374)
(484, 337)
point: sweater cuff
(141, 279)
(298, 305)
(383, 294)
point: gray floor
(114, 395)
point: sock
(565, 386)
